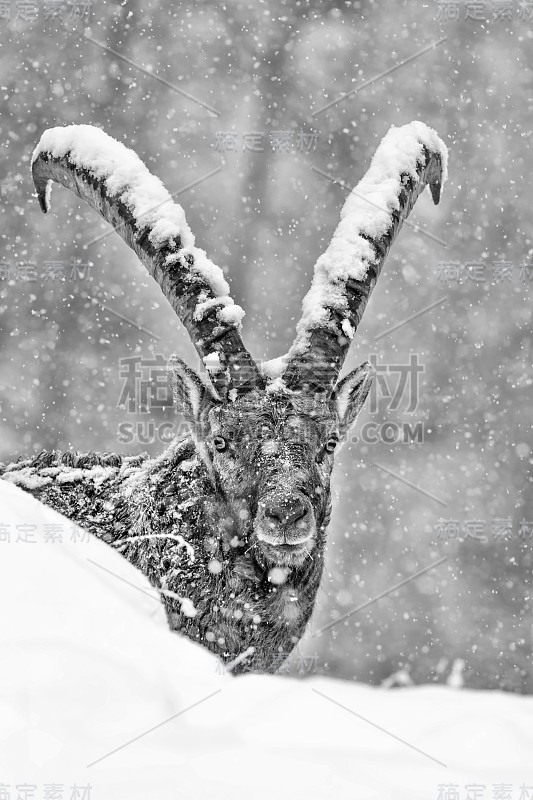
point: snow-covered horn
(115, 182)
(407, 160)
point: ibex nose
(286, 511)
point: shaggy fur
(187, 519)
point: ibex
(229, 523)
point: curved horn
(408, 159)
(114, 181)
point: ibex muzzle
(229, 523)
(285, 519)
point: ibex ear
(191, 395)
(350, 394)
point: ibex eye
(331, 444)
(220, 443)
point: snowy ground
(94, 690)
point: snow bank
(150, 204)
(94, 690)
(366, 213)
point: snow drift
(96, 692)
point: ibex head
(266, 433)
(270, 452)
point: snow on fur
(27, 478)
(125, 175)
(366, 213)
(31, 478)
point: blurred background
(430, 548)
